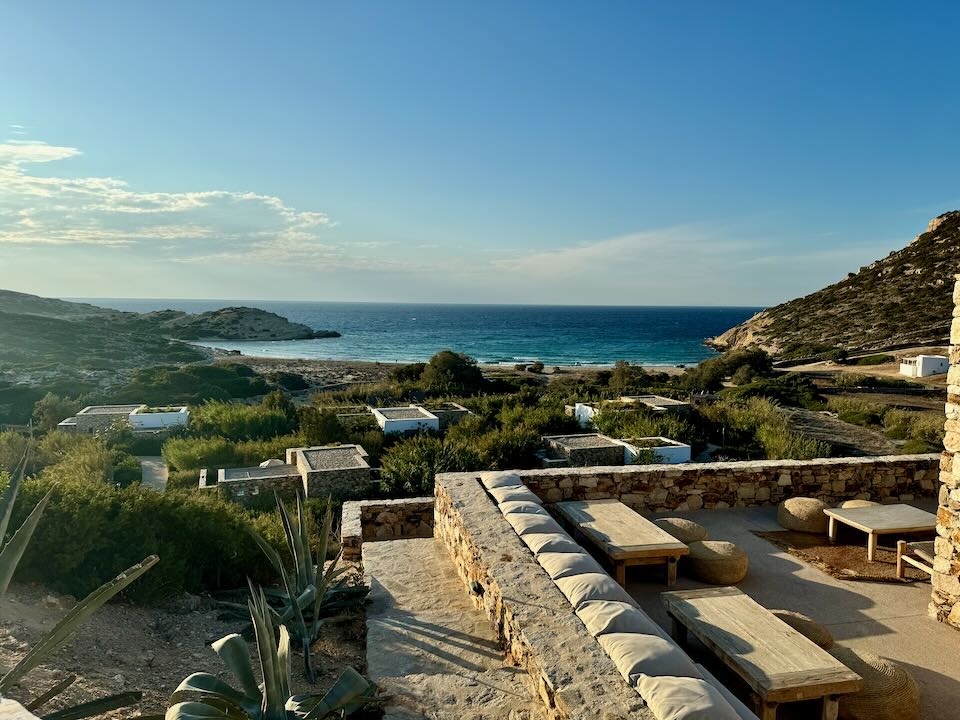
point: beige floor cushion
(525, 523)
(550, 542)
(582, 588)
(717, 562)
(736, 703)
(493, 480)
(522, 506)
(803, 514)
(603, 617)
(637, 655)
(510, 494)
(685, 698)
(686, 531)
(857, 504)
(889, 692)
(564, 564)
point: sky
(615, 153)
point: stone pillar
(945, 600)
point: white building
(924, 365)
(140, 417)
(403, 420)
(665, 450)
(158, 418)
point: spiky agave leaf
(272, 704)
(10, 493)
(235, 653)
(96, 707)
(203, 711)
(73, 619)
(12, 551)
(351, 692)
(207, 688)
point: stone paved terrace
(428, 647)
(883, 618)
(579, 442)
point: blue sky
(537, 152)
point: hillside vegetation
(904, 299)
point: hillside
(904, 299)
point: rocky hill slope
(904, 299)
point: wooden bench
(623, 535)
(779, 664)
(918, 554)
(881, 520)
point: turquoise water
(490, 333)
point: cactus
(10, 553)
(309, 594)
(203, 696)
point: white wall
(160, 420)
(584, 414)
(672, 454)
(925, 366)
(409, 425)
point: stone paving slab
(428, 647)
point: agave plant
(203, 696)
(10, 553)
(309, 594)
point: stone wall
(338, 483)
(945, 597)
(249, 491)
(568, 670)
(384, 520)
(661, 488)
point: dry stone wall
(384, 520)
(567, 668)
(945, 596)
(662, 488)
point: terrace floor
(887, 619)
(428, 647)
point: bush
(191, 384)
(193, 453)
(90, 529)
(320, 427)
(289, 381)
(788, 389)
(756, 422)
(879, 359)
(409, 467)
(857, 412)
(536, 367)
(449, 372)
(408, 373)
(240, 422)
(185, 480)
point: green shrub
(289, 381)
(194, 453)
(857, 412)
(450, 372)
(879, 359)
(191, 384)
(788, 389)
(186, 479)
(240, 422)
(409, 467)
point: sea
(496, 334)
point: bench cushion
(522, 506)
(603, 617)
(582, 588)
(736, 703)
(685, 698)
(508, 494)
(564, 564)
(637, 655)
(525, 523)
(493, 480)
(550, 542)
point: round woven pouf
(857, 503)
(717, 562)
(686, 531)
(803, 514)
(806, 626)
(889, 692)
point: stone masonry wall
(945, 596)
(384, 520)
(341, 482)
(568, 669)
(662, 488)
(247, 492)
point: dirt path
(155, 472)
(846, 439)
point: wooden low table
(779, 664)
(623, 535)
(880, 520)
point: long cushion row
(648, 659)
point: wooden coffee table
(623, 535)
(880, 520)
(779, 664)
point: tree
(450, 372)
(320, 427)
(51, 409)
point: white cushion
(684, 698)
(564, 564)
(550, 542)
(603, 617)
(522, 506)
(582, 588)
(736, 703)
(493, 480)
(636, 655)
(508, 494)
(525, 523)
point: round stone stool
(717, 562)
(686, 531)
(803, 514)
(889, 692)
(806, 626)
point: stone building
(945, 600)
(586, 450)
